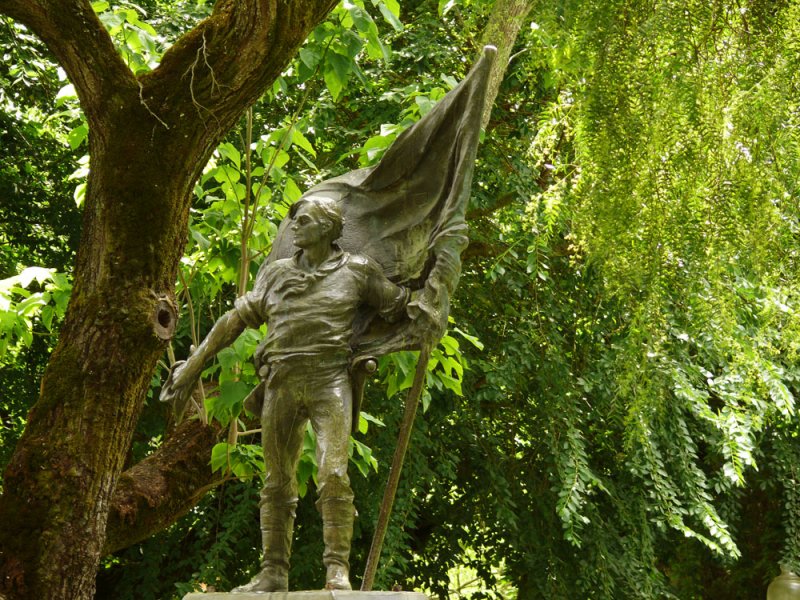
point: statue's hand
(428, 316)
(177, 389)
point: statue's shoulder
(281, 263)
(275, 266)
(269, 271)
(363, 264)
(358, 260)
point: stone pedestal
(312, 595)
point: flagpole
(412, 401)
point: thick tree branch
(225, 63)
(82, 46)
(154, 493)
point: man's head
(315, 219)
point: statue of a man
(309, 303)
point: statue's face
(310, 226)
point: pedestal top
(309, 595)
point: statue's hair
(329, 209)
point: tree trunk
(149, 139)
(60, 481)
(505, 22)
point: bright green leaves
(373, 149)
(361, 456)
(309, 60)
(649, 171)
(307, 466)
(228, 151)
(228, 403)
(299, 140)
(244, 191)
(78, 135)
(445, 369)
(447, 366)
(390, 9)
(337, 70)
(368, 30)
(235, 373)
(139, 44)
(21, 309)
(418, 103)
(335, 46)
(242, 460)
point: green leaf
(300, 140)
(200, 239)
(291, 192)
(450, 344)
(372, 419)
(219, 456)
(336, 72)
(390, 9)
(445, 6)
(78, 135)
(310, 57)
(470, 338)
(31, 305)
(229, 152)
(279, 86)
(48, 312)
(375, 147)
(451, 383)
(80, 194)
(27, 276)
(426, 400)
(280, 161)
(226, 174)
(232, 393)
(66, 93)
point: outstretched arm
(185, 376)
(222, 334)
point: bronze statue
(363, 265)
(309, 303)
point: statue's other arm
(390, 299)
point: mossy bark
(505, 22)
(149, 139)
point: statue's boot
(337, 531)
(276, 537)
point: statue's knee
(335, 486)
(279, 494)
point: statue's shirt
(311, 313)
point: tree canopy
(613, 410)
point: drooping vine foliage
(613, 413)
(661, 257)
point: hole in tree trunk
(165, 318)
